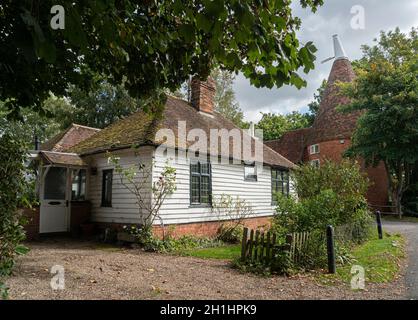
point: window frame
(107, 202)
(78, 196)
(314, 149)
(200, 175)
(315, 163)
(282, 180)
(253, 178)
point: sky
(334, 17)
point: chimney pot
(203, 95)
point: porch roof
(62, 158)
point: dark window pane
(204, 193)
(78, 188)
(55, 183)
(195, 189)
(194, 167)
(204, 168)
(200, 180)
(107, 188)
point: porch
(61, 186)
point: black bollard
(331, 250)
(379, 224)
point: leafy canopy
(274, 125)
(386, 89)
(153, 44)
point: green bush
(230, 233)
(145, 238)
(333, 194)
(13, 195)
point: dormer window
(314, 149)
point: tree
(43, 125)
(99, 107)
(154, 45)
(137, 179)
(314, 105)
(225, 102)
(274, 125)
(13, 188)
(386, 89)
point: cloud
(333, 17)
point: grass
(227, 252)
(380, 259)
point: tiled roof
(68, 138)
(291, 145)
(62, 158)
(330, 124)
(140, 129)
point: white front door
(54, 201)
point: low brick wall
(206, 229)
(80, 214)
(32, 226)
(201, 229)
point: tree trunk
(397, 202)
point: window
(107, 188)
(314, 149)
(250, 173)
(315, 163)
(279, 183)
(200, 183)
(55, 183)
(78, 187)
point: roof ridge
(83, 126)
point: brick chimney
(203, 95)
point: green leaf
(21, 250)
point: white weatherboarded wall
(124, 208)
(226, 179)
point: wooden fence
(259, 246)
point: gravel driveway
(93, 271)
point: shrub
(333, 194)
(149, 242)
(13, 188)
(231, 213)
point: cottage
(77, 182)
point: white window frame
(315, 163)
(314, 149)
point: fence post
(379, 224)
(244, 244)
(289, 241)
(331, 250)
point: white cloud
(333, 17)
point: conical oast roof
(330, 124)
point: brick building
(330, 134)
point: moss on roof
(140, 128)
